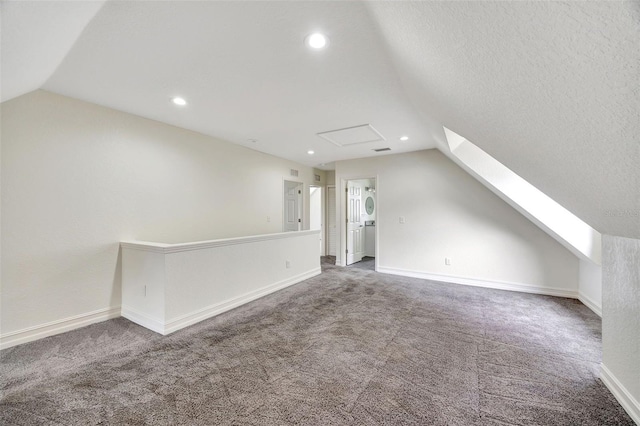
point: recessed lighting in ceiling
(179, 101)
(404, 138)
(310, 152)
(317, 41)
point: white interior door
(292, 216)
(355, 227)
(331, 220)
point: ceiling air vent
(382, 149)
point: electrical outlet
(287, 264)
(268, 218)
(401, 219)
(447, 261)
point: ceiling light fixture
(310, 152)
(178, 101)
(404, 138)
(316, 41)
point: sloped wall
(549, 89)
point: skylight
(560, 223)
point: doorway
(316, 216)
(292, 208)
(361, 221)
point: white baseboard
(183, 321)
(589, 303)
(30, 334)
(142, 319)
(499, 285)
(628, 402)
(213, 310)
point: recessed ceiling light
(404, 138)
(310, 152)
(316, 41)
(179, 101)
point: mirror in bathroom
(368, 205)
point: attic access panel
(364, 133)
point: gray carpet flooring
(348, 347)
(368, 263)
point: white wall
(590, 285)
(316, 214)
(621, 320)
(331, 220)
(331, 177)
(78, 178)
(322, 174)
(169, 287)
(449, 214)
(315, 208)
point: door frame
(341, 210)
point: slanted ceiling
(550, 89)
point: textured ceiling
(550, 89)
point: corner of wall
(621, 320)
(624, 397)
(590, 285)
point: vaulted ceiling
(550, 89)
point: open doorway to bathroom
(361, 205)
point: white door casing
(291, 215)
(355, 227)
